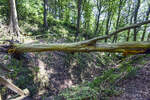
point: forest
(74, 49)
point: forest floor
(137, 87)
(134, 88)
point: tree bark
(13, 24)
(79, 17)
(11, 86)
(99, 6)
(128, 34)
(118, 20)
(125, 48)
(55, 11)
(60, 8)
(129, 21)
(107, 23)
(45, 13)
(135, 19)
(145, 27)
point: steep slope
(137, 87)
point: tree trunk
(125, 48)
(101, 26)
(11, 86)
(60, 9)
(145, 27)
(45, 13)
(128, 34)
(79, 17)
(118, 20)
(13, 24)
(55, 11)
(135, 19)
(98, 16)
(107, 23)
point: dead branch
(11, 86)
(118, 31)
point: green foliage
(65, 12)
(104, 85)
(79, 93)
(22, 76)
(30, 10)
(87, 14)
(4, 9)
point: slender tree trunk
(55, 11)
(145, 27)
(128, 35)
(107, 23)
(59, 9)
(135, 19)
(13, 21)
(45, 13)
(130, 20)
(79, 17)
(118, 20)
(97, 22)
(98, 16)
(101, 26)
(127, 20)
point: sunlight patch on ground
(67, 83)
(42, 74)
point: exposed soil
(138, 87)
(56, 74)
(135, 88)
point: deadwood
(11, 86)
(126, 48)
(120, 30)
(83, 46)
(89, 45)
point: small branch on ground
(11, 86)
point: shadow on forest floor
(137, 87)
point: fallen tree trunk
(125, 48)
(83, 46)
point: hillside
(74, 50)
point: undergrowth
(105, 85)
